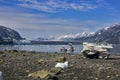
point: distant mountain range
(106, 35)
(7, 35)
(72, 37)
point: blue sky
(45, 18)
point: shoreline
(16, 65)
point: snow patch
(99, 33)
(73, 36)
(106, 28)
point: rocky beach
(17, 65)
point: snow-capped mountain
(70, 37)
(7, 33)
(106, 35)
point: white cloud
(56, 5)
(15, 18)
(36, 24)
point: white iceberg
(62, 65)
(94, 50)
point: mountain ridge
(7, 35)
(109, 34)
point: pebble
(109, 67)
(27, 71)
(1, 60)
(117, 75)
(108, 76)
(96, 78)
(31, 64)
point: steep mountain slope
(9, 33)
(109, 34)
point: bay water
(52, 48)
(40, 48)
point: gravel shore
(16, 65)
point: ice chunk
(62, 65)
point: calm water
(51, 48)
(40, 48)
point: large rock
(61, 59)
(43, 74)
(46, 74)
(56, 70)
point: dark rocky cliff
(7, 35)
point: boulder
(56, 70)
(43, 74)
(61, 59)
